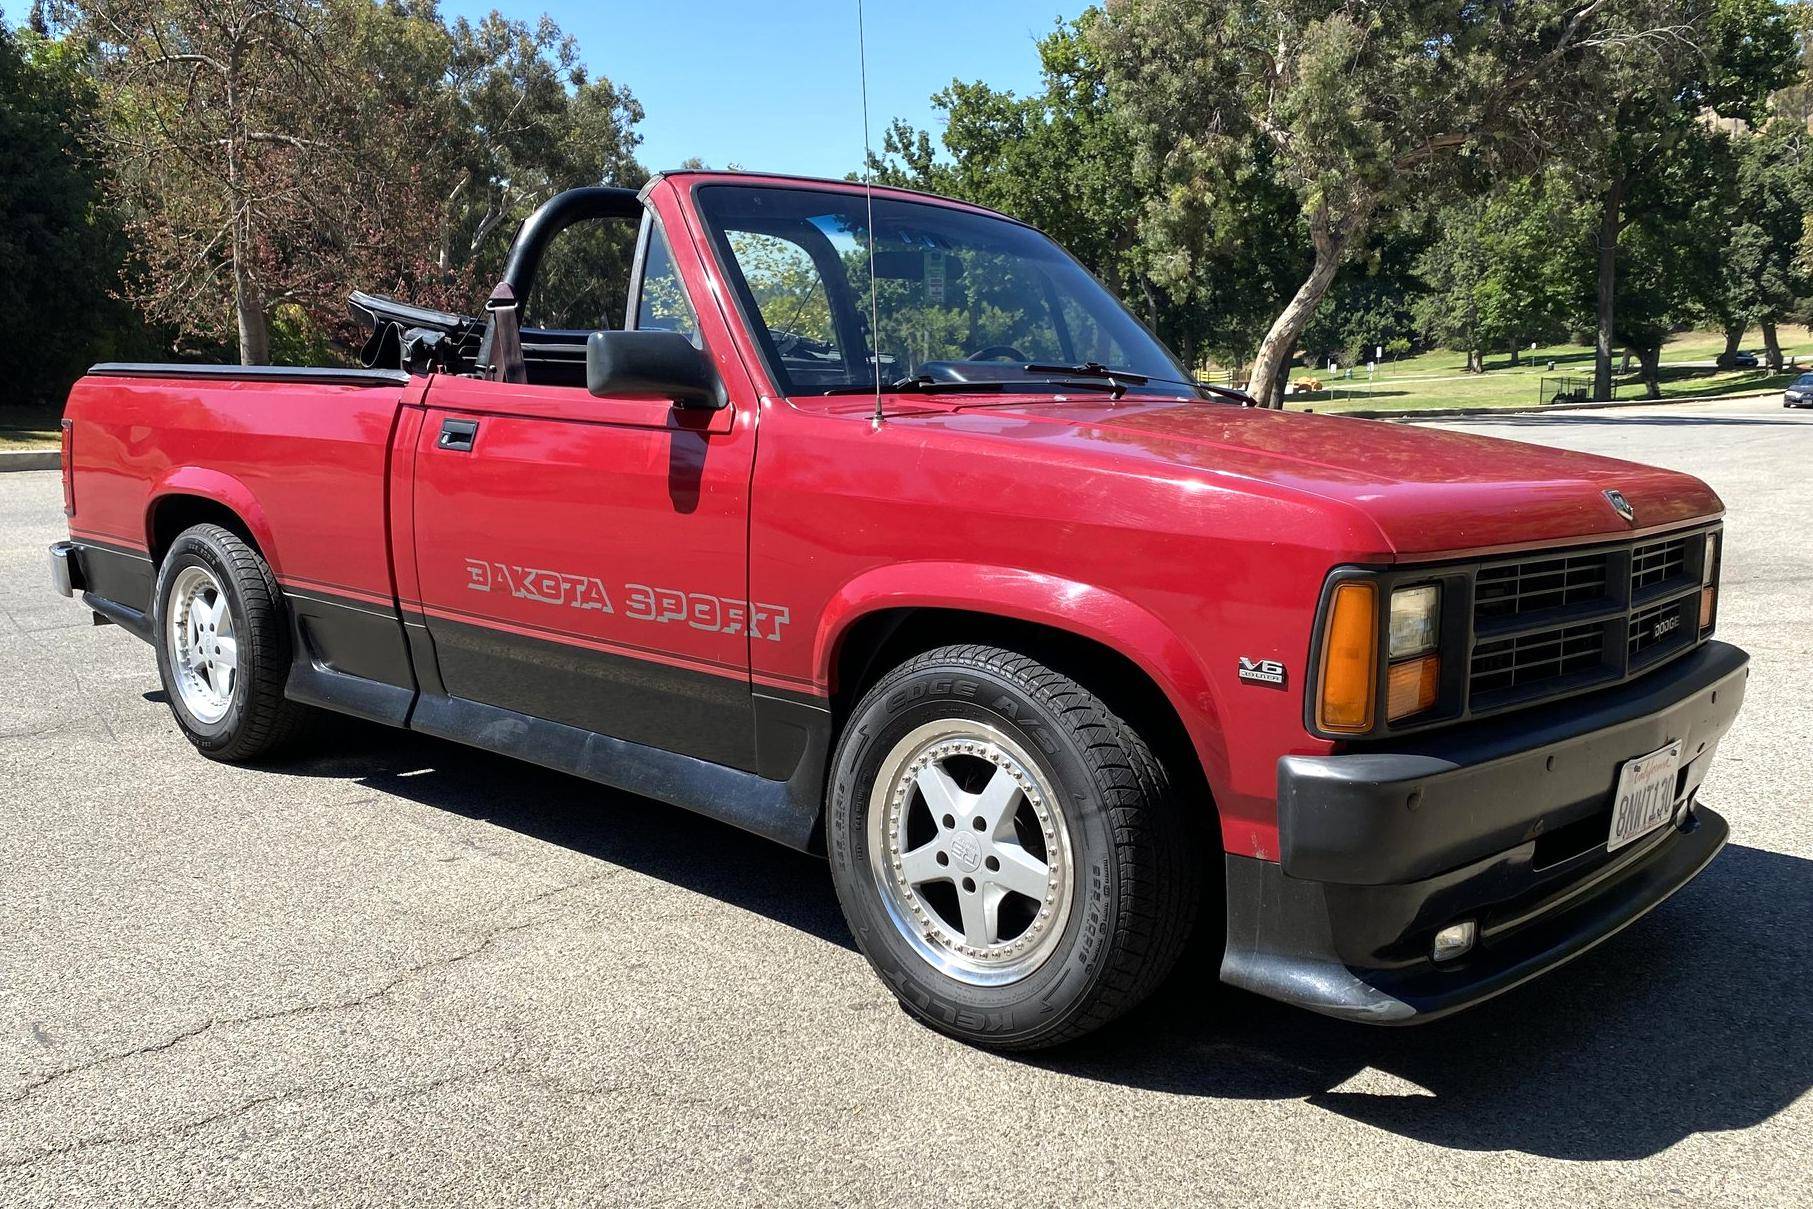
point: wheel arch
(1116, 647)
(190, 496)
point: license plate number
(1645, 796)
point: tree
(272, 153)
(1505, 267)
(1670, 251)
(522, 120)
(61, 244)
(228, 122)
(1052, 159)
(1366, 108)
(1763, 279)
(1665, 67)
(1058, 159)
(1372, 305)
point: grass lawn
(30, 427)
(1439, 378)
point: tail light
(67, 461)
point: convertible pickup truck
(872, 524)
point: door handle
(457, 435)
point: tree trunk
(1651, 360)
(1734, 335)
(1608, 284)
(1476, 361)
(1145, 285)
(1514, 354)
(248, 299)
(254, 324)
(1276, 401)
(1271, 365)
(1772, 349)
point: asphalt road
(406, 972)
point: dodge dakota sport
(869, 522)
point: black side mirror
(659, 365)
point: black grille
(1653, 627)
(1526, 660)
(1658, 562)
(1557, 621)
(1515, 589)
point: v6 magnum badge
(1268, 672)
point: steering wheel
(998, 352)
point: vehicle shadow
(1694, 1020)
(656, 840)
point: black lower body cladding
(1503, 823)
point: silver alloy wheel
(971, 852)
(202, 645)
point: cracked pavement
(400, 971)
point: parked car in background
(1744, 360)
(1799, 392)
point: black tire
(259, 720)
(1136, 861)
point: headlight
(1415, 674)
(1349, 673)
(1415, 620)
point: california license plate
(1645, 796)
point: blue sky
(773, 84)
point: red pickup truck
(879, 528)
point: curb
(1442, 413)
(30, 459)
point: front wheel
(1006, 849)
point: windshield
(961, 297)
(1804, 380)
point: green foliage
(1670, 251)
(1763, 278)
(61, 246)
(1060, 160)
(1506, 268)
(1371, 305)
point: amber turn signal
(1410, 686)
(1707, 596)
(1350, 659)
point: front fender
(223, 489)
(1091, 612)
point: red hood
(1427, 490)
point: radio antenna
(868, 190)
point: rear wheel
(223, 646)
(1006, 849)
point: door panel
(585, 561)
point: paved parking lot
(402, 972)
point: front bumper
(1503, 822)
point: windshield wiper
(925, 385)
(1118, 379)
(1228, 392)
(1090, 369)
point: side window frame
(651, 227)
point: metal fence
(1563, 390)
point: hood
(1429, 491)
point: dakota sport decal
(641, 602)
